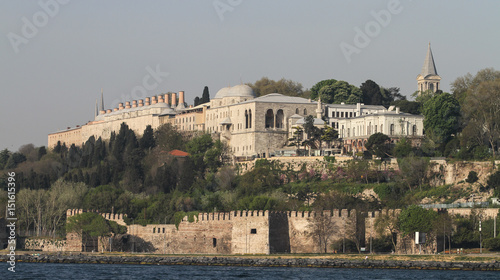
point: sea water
(122, 271)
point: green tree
(483, 113)
(387, 224)
(333, 91)
(410, 107)
(205, 97)
(168, 138)
(14, 159)
(441, 117)
(403, 148)
(196, 101)
(93, 225)
(147, 141)
(4, 157)
(415, 218)
(329, 135)
(372, 94)
(379, 144)
(286, 87)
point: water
(121, 271)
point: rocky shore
(256, 261)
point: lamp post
(480, 239)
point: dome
(241, 91)
(222, 93)
(236, 91)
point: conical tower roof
(429, 67)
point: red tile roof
(178, 153)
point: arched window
(269, 119)
(297, 111)
(246, 119)
(305, 112)
(250, 118)
(279, 119)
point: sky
(57, 55)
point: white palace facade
(256, 126)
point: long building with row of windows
(256, 126)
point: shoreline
(257, 261)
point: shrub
(472, 178)
(492, 243)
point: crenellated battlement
(118, 218)
(234, 215)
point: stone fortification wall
(454, 172)
(44, 244)
(118, 218)
(485, 213)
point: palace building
(256, 126)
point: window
(214, 242)
(154, 230)
(391, 130)
(269, 119)
(279, 119)
(414, 131)
(249, 118)
(297, 111)
(253, 231)
(305, 112)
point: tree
(390, 95)
(196, 101)
(147, 141)
(416, 219)
(333, 91)
(298, 136)
(14, 159)
(386, 223)
(379, 144)
(93, 225)
(329, 134)
(403, 148)
(286, 87)
(322, 228)
(463, 86)
(410, 107)
(372, 94)
(168, 138)
(483, 111)
(441, 117)
(205, 97)
(413, 170)
(4, 157)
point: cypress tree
(205, 97)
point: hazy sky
(55, 56)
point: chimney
(181, 97)
(134, 104)
(166, 98)
(397, 110)
(127, 105)
(153, 100)
(120, 106)
(102, 112)
(147, 101)
(141, 103)
(160, 99)
(115, 109)
(358, 109)
(174, 99)
(108, 111)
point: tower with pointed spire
(428, 79)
